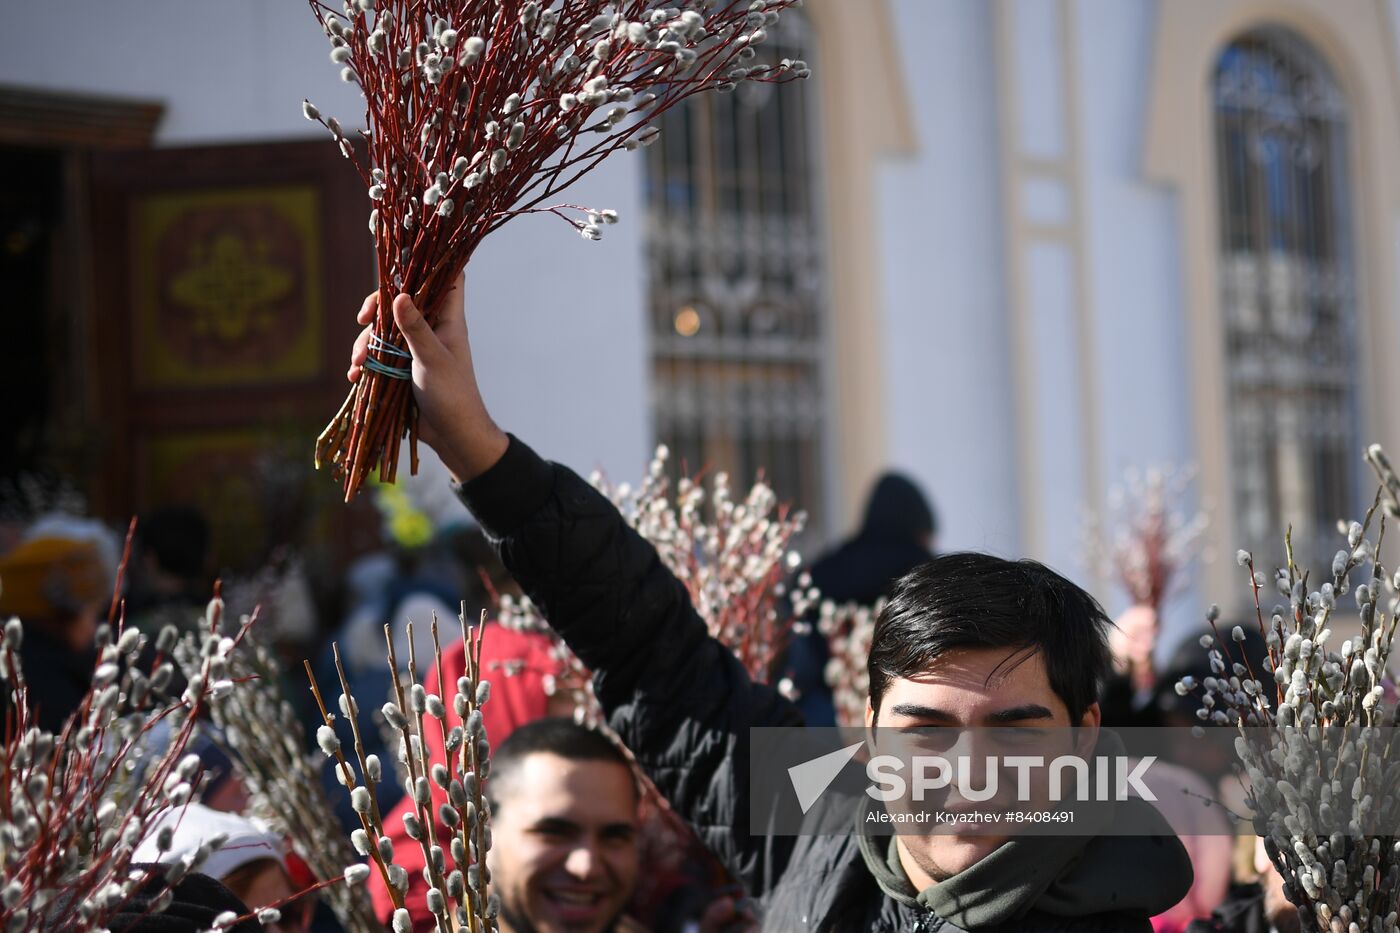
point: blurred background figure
(414, 575)
(1183, 799)
(195, 904)
(898, 533)
(1142, 695)
(169, 580)
(1129, 694)
(221, 787)
(1256, 906)
(252, 863)
(58, 580)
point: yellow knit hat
(49, 576)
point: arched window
(1288, 294)
(736, 281)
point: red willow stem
(290, 898)
(121, 574)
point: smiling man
(968, 640)
(564, 829)
(978, 647)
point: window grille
(1288, 293)
(736, 282)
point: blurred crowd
(570, 847)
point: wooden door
(227, 280)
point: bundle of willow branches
(478, 111)
(733, 556)
(459, 895)
(848, 628)
(1148, 540)
(75, 806)
(1317, 727)
(264, 736)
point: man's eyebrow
(1021, 714)
(926, 713)
(557, 823)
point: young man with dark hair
(969, 640)
(564, 829)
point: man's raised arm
(680, 700)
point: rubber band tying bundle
(378, 344)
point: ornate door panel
(227, 280)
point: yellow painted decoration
(228, 288)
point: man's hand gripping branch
(452, 416)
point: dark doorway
(31, 214)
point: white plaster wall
(1135, 271)
(1054, 426)
(557, 321)
(1058, 430)
(1394, 309)
(1038, 75)
(558, 330)
(225, 71)
(947, 347)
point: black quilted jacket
(681, 701)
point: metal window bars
(1288, 293)
(736, 282)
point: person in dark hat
(896, 535)
(169, 573)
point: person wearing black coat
(195, 904)
(1254, 907)
(895, 536)
(1242, 912)
(684, 705)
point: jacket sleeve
(678, 698)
